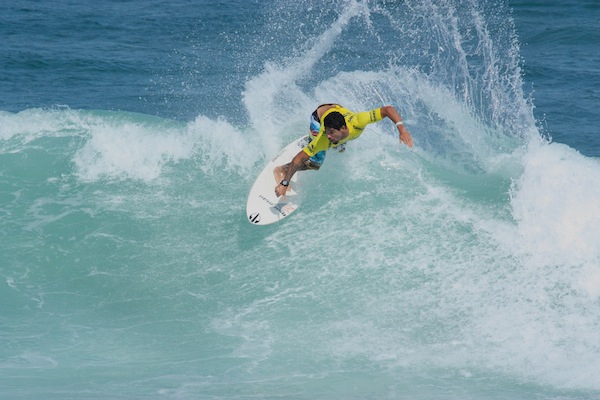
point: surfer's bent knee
(311, 165)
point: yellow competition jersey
(356, 123)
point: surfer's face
(335, 135)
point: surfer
(339, 126)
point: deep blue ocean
(467, 267)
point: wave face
(465, 268)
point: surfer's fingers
(407, 141)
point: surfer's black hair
(334, 120)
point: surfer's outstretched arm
(287, 171)
(391, 113)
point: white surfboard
(263, 206)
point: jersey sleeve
(364, 118)
(318, 144)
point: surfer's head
(334, 120)
(335, 127)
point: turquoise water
(465, 268)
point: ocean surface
(465, 268)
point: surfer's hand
(280, 190)
(405, 136)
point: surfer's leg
(315, 162)
(315, 125)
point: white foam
(117, 145)
(556, 203)
(124, 148)
(34, 123)
(221, 145)
(120, 149)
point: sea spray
(130, 270)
